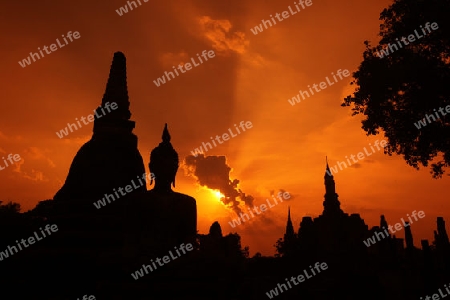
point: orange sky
(250, 79)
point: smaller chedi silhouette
(161, 218)
(330, 233)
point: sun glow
(217, 194)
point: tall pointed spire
(408, 236)
(289, 236)
(442, 232)
(289, 228)
(116, 87)
(166, 135)
(116, 92)
(383, 222)
(166, 145)
(331, 203)
(111, 157)
(329, 180)
(327, 169)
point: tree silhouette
(11, 222)
(42, 209)
(280, 248)
(10, 208)
(396, 90)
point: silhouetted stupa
(334, 231)
(111, 159)
(331, 204)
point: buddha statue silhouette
(163, 218)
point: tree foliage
(396, 91)
(280, 248)
(10, 208)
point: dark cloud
(273, 194)
(214, 173)
(349, 208)
(356, 166)
(369, 161)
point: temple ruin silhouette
(331, 232)
(95, 250)
(336, 237)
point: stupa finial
(116, 87)
(166, 135)
(164, 160)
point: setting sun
(217, 194)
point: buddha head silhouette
(164, 163)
